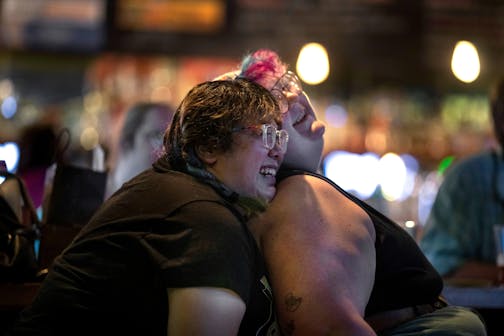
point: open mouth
(268, 171)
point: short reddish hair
(263, 66)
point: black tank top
(404, 277)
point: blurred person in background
(37, 146)
(170, 253)
(140, 141)
(458, 236)
(338, 266)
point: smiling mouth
(268, 171)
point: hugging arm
(319, 249)
(204, 311)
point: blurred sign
(53, 24)
(186, 16)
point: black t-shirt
(404, 277)
(162, 229)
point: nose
(276, 153)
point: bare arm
(204, 311)
(473, 271)
(319, 248)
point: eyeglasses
(270, 135)
(288, 83)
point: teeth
(268, 171)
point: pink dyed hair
(263, 66)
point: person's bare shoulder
(319, 250)
(312, 204)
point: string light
(313, 64)
(465, 62)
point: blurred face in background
(149, 137)
(144, 146)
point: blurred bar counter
(475, 297)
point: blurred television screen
(54, 25)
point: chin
(303, 161)
(268, 196)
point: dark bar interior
(399, 114)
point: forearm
(474, 270)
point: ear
(207, 154)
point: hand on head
(299, 119)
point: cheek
(249, 164)
(295, 142)
(301, 150)
(287, 121)
(294, 152)
(254, 163)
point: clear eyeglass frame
(288, 83)
(271, 136)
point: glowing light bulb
(465, 62)
(313, 64)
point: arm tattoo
(292, 302)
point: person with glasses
(171, 253)
(338, 266)
(140, 141)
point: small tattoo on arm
(292, 302)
